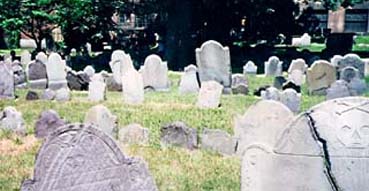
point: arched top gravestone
(326, 148)
(352, 60)
(80, 157)
(214, 63)
(120, 63)
(155, 73)
(320, 76)
(273, 67)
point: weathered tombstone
(32, 95)
(12, 120)
(271, 93)
(305, 40)
(37, 75)
(357, 87)
(62, 95)
(89, 70)
(48, 94)
(297, 77)
(209, 95)
(189, 83)
(80, 157)
(120, 63)
(26, 57)
(133, 87)
(239, 84)
(155, 73)
(349, 73)
(134, 134)
(102, 118)
(20, 79)
(56, 72)
(78, 80)
(336, 59)
(338, 89)
(263, 122)
(320, 76)
(298, 64)
(47, 122)
(179, 134)
(250, 68)
(325, 148)
(42, 57)
(214, 63)
(218, 141)
(6, 81)
(273, 67)
(96, 90)
(279, 81)
(352, 60)
(291, 99)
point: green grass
(174, 169)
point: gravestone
(338, 89)
(47, 122)
(78, 81)
(218, 141)
(298, 64)
(80, 157)
(20, 79)
(26, 57)
(62, 95)
(358, 87)
(352, 60)
(262, 122)
(48, 94)
(320, 76)
(214, 62)
(96, 90)
(273, 67)
(209, 95)
(37, 75)
(250, 68)
(42, 57)
(189, 83)
(6, 81)
(103, 119)
(178, 134)
(56, 72)
(297, 77)
(336, 59)
(119, 64)
(133, 87)
(239, 84)
(271, 93)
(155, 73)
(349, 73)
(89, 70)
(12, 120)
(305, 40)
(279, 81)
(134, 134)
(291, 99)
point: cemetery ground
(173, 168)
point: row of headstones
(324, 148)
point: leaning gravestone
(298, 64)
(119, 64)
(354, 61)
(262, 122)
(214, 63)
(89, 70)
(209, 95)
(96, 90)
(26, 57)
(250, 68)
(80, 157)
(37, 75)
(273, 67)
(325, 148)
(6, 81)
(155, 73)
(320, 76)
(189, 83)
(47, 122)
(291, 99)
(12, 120)
(133, 87)
(102, 118)
(56, 72)
(178, 134)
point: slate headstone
(218, 141)
(179, 134)
(6, 81)
(47, 122)
(134, 134)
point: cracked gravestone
(214, 62)
(320, 76)
(79, 157)
(325, 148)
